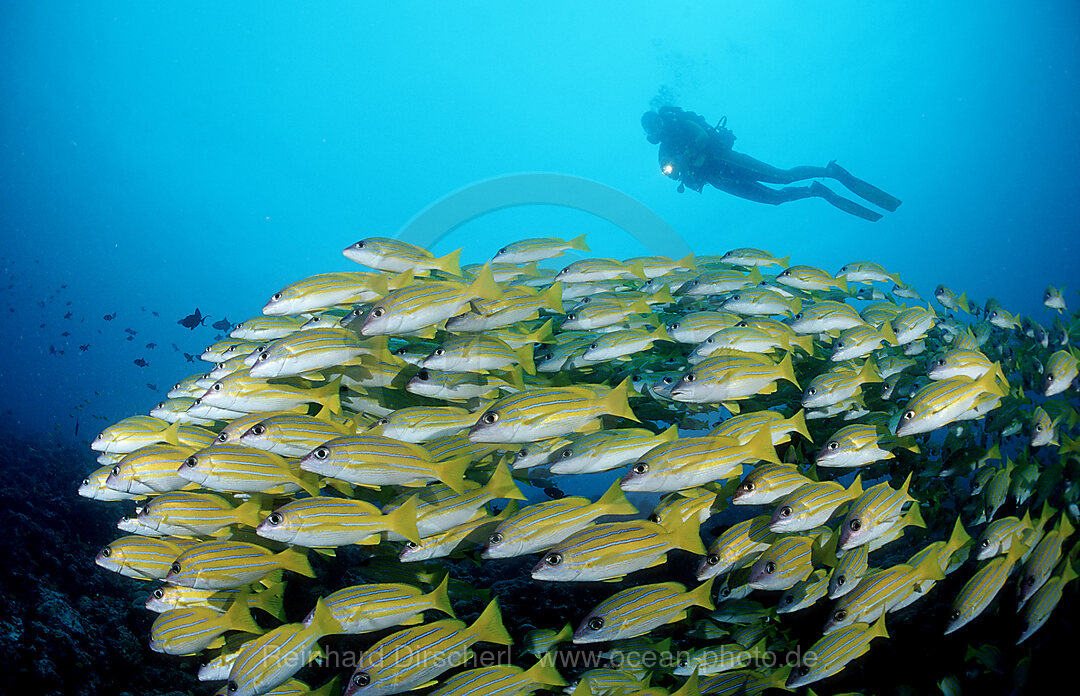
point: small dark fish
(131, 338)
(222, 325)
(109, 317)
(140, 362)
(68, 303)
(554, 493)
(193, 320)
(130, 331)
(41, 326)
(63, 287)
(154, 312)
(84, 347)
(176, 347)
(52, 349)
(151, 387)
(76, 427)
(190, 357)
(68, 315)
(151, 345)
(66, 334)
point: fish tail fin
(489, 627)
(962, 301)
(525, 358)
(544, 672)
(798, 421)
(907, 484)
(1065, 528)
(323, 622)
(310, 483)
(439, 598)
(671, 434)
(841, 282)
(661, 334)
(238, 617)
(663, 296)
(329, 395)
(614, 502)
(877, 630)
(869, 374)
(1069, 573)
(271, 600)
(886, 330)
(855, 489)
(502, 485)
(578, 243)
(296, 561)
(515, 377)
(402, 520)
(914, 516)
(484, 286)
(787, 370)
(806, 343)
(637, 269)
(688, 262)
(959, 537)
(343, 487)
(760, 445)
(617, 402)
(702, 594)
(784, 261)
(565, 633)
(687, 535)
(171, 434)
(247, 512)
(552, 298)
(755, 276)
(452, 472)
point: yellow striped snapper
(812, 504)
(541, 641)
(422, 305)
(911, 518)
(134, 432)
(1061, 369)
(141, 557)
(541, 413)
(851, 568)
(695, 461)
(307, 352)
(603, 313)
(942, 402)
(1003, 319)
(804, 594)
(218, 565)
(474, 353)
(274, 657)
(538, 249)
(731, 376)
(520, 335)
(622, 343)
(405, 660)
(542, 452)
(949, 300)
(861, 341)
(245, 394)
(266, 328)
(191, 630)
(517, 303)
(825, 316)
(913, 323)
(891, 364)
(605, 681)
(188, 386)
(663, 266)
(747, 256)
(695, 327)
(197, 513)
(592, 270)
(544, 525)
(612, 550)
(905, 291)
(373, 460)
(810, 279)
(463, 537)
(396, 256)
(502, 680)
(874, 513)
(878, 313)
(761, 301)
(293, 434)
(462, 386)
(885, 591)
(860, 444)
(368, 608)
(227, 349)
(839, 384)
(607, 449)
(94, 486)
(231, 432)
(169, 597)
(835, 651)
(1045, 600)
(767, 483)
(1040, 564)
(685, 504)
(866, 272)
(742, 338)
(150, 470)
(441, 508)
(998, 536)
(1043, 428)
(736, 546)
(960, 363)
(239, 469)
(718, 281)
(716, 659)
(1054, 298)
(324, 291)
(786, 562)
(323, 522)
(638, 610)
(423, 423)
(745, 425)
(982, 587)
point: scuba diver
(696, 153)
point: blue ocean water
(159, 158)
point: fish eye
(1050, 377)
(811, 391)
(322, 452)
(789, 599)
(159, 593)
(654, 518)
(839, 344)
(359, 245)
(986, 543)
(748, 486)
(688, 377)
(709, 339)
(725, 591)
(571, 317)
(1029, 580)
(804, 670)
(217, 386)
(106, 552)
(495, 538)
(955, 615)
(361, 679)
(175, 567)
(785, 511)
(553, 559)
(382, 421)
(854, 525)
(640, 468)
(222, 437)
(233, 687)
(501, 251)
(116, 471)
(567, 453)
(712, 559)
(908, 415)
(86, 482)
(191, 462)
(490, 417)
(736, 297)
(941, 362)
(378, 312)
(593, 346)
(258, 429)
(840, 580)
(411, 545)
(595, 623)
(674, 326)
(276, 296)
(770, 567)
(833, 445)
(264, 356)
(422, 375)
(799, 315)
(683, 661)
(522, 453)
(274, 519)
(439, 351)
(839, 615)
(1038, 428)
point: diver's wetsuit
(697, 154)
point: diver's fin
(821, 191)
(862, 189)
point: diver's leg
(862, 189)
(822, 191)
(759, 193)
(749, 168)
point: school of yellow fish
(832, 420)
